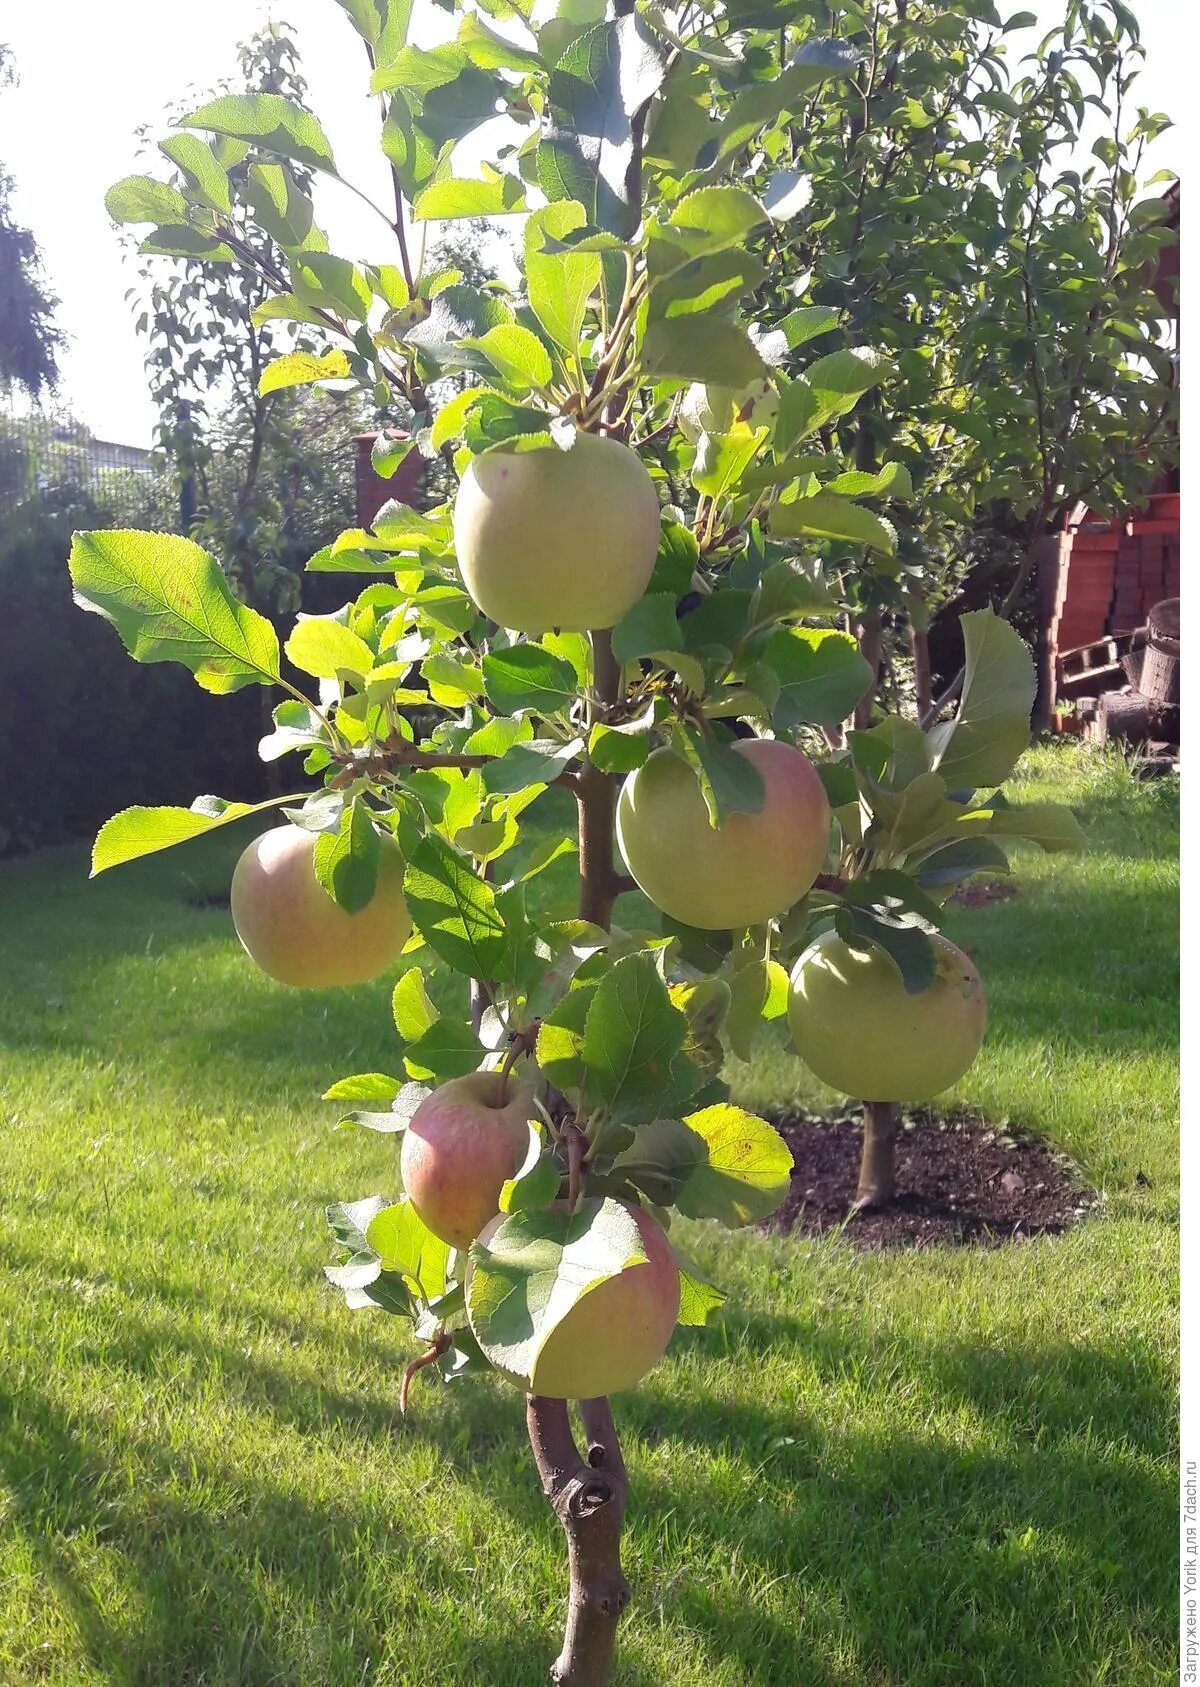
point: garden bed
(960, 1183)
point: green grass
(938, 1470)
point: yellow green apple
(553, 538)
(861, 1031)
(462, 1145)
(615, 1333)
(294, 930)
(748, 869)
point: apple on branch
(292, 928)
(860, 1031)
(747, 870)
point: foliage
(29, 341)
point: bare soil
(960, 1182)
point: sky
(90, 75)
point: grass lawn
(938, 1470)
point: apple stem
(877, 1167)
(589, 1498)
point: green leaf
(534, 1270)
(206, 177)
(617, 749)
(907, 945)
(711, 219)
(828, 516)
(140, 199)
(729, 782)
(770, 100)
(175, 241)
(445, 201)
(539, 762)
(601, 81)
(527, 676)
(349, 1220)
(632, 1035)
(650, 626)
(448, 1048)
(406, 1246)
(1049, 825)
(412, 1011)
(745, 1171)
(301, 369)
(383, 24)
(327, 649)
(536, 1181)
(364, 1086)
(320, 278)
(267, 121)
(282, 207)
(990, 731)
(701, 348)
(135, 832)
(892, 481)
(722, 458)
(170, 602)
(963, 859)
(346, 862)
(560, 1039)
(560, 284)
(822, 674)
(517, 355)
(454, 909)
(699, 1300)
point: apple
(293, 929)
(860, 1030)
(462, 1145)
(742, 872)
(716, 409)
(614, 1334)
(554, 538)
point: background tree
(29, 341)
(944, 212)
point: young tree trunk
(589, 1495)
(877, 1167)
(870, 642)
(918, 644)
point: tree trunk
(589, 1495)
(918, 644)
(589, 1498)
(877, 1168)
(870, 642)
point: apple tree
(620, 602)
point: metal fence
(55, 462)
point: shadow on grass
(982, 1556)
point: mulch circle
(960, 1182)
(983, 895)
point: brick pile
(1103, 579)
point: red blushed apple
(462, 1145)
(745, 871)
(294, 930)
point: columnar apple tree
(623, 601)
